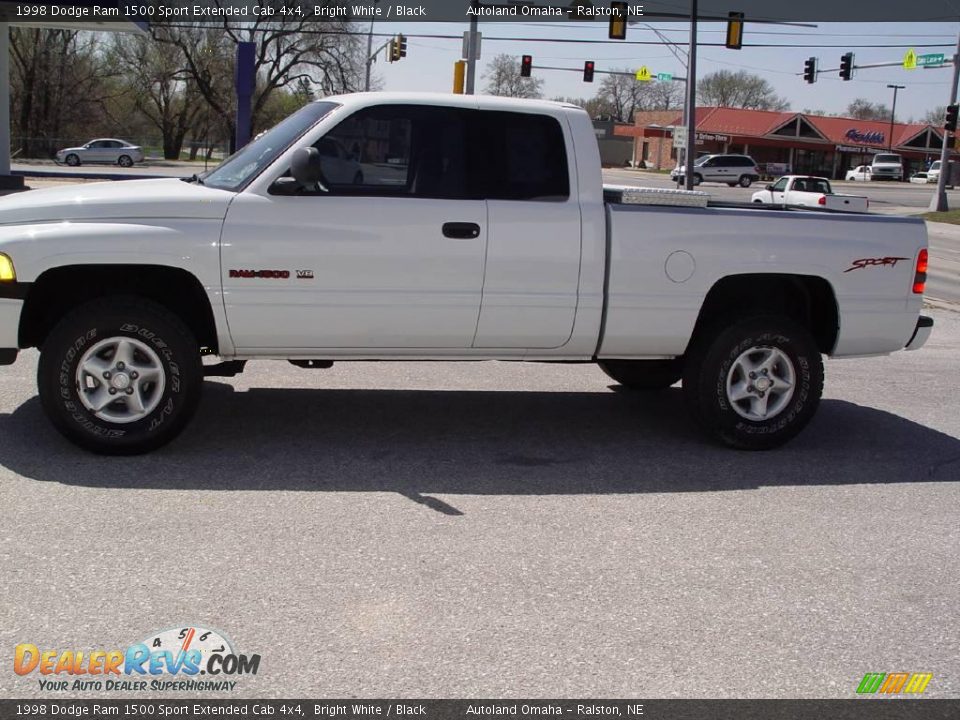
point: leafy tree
(739, 89)
(503, 78)
(863, 109)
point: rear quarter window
(524, 157)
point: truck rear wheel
(120, 376)
(754, 384)
(643, 374)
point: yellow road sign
(910, 59)
(644, 74)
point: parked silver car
(102, 150)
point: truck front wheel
(120, 376)
(643, 374)
(754, 384)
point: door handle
(461, 230)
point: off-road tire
(120, 317)
(707, 371)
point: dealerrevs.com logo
(190, 658)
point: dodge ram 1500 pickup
(439, 227)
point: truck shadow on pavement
(414, 442)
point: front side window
(398, 150)
(248, 162)
(780, 185)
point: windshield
(701, 160)
(936, 165)
(894, 159)
(250, 160)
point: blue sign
(873, 137)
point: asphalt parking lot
(502, 530)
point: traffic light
(398, 48)
(526, 65)
(810, 70)
(618, 21)
(846, 66)
(735, 31)
(950, 121)
(588, 71)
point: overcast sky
(429, 61)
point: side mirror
(306, 167)
(770, 188)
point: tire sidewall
(125, 161)
(58, 381)
(717, 409)
(72, 160)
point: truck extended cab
(808, 191)
(444, 228)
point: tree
(740, 89)
(159, 87)
(863, 109)
(322, 53)
(59, 85)
(503, 78)
(935, 116)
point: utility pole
(472, 51)
(893, 113)
(691, 101)
(366, 84)
(938, 203)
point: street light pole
(366, 84)
(472, 51)
(938, 203)
(893, 113)
(691, 100)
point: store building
(784, 142)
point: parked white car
(808, 191)
(102, 150)
(933, 172)
(861, 173)
(494, 240)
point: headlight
(7, 272)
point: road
(502, 530)
(884, 196)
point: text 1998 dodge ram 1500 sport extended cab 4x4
(444, 227)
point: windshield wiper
(193, 179)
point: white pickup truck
(469, 228)
(808, 191)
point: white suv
(730, 169)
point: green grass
(950, 216)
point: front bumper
(921, 333)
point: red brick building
(790, 141)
